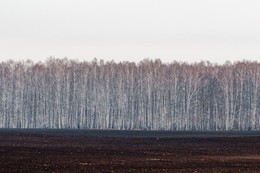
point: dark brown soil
(32, 152)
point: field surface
(128, 151)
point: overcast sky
(130, 30)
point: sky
(130, 30)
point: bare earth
(51, 152)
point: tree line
(150, 95)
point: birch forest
(150, 95)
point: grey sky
(182, 30)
